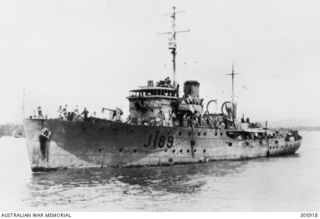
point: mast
(232, 84)
(172, 41)
(234, 105)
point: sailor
(85, 114)
(242, 119)
(161, 117)
(189, 99)
(167, 82)
(189, 121)
(117, 114)
(60, 112)
(76, 111)
(40, 116)
(172, 119)
(65, 111)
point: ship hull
(104, 143)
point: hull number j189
(159, 140)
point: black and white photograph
(159, 106)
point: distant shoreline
(11, 129)
(306, 128)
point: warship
(163, 128)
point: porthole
(204, 151)
(180, 133)
(181, 151)
(120, 150)
(173, 150)
(189, 133)
(165, 150)
(188, 151)
(205, 134)
(199, 133)
(247, 143)
(276, 142)
(229, 144)
(170, 160)
(134, 150)
(215, 133)
(221, 133)
(195, 150)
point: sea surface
(290, 183)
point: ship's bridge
(153, 93)
(148, 103)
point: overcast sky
(91, 53)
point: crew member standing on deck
(40, 116)
(65, 112)
(60, 113)
(75, 112)
(161, 118)
(85, 114)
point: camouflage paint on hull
(113, 144)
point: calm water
(290, 183)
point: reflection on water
(66, 186)
(263, 184)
